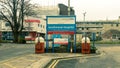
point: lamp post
(84, 14)
(68, 7)
(71, 49)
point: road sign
(60, 40)
(61, 24)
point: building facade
(32, 28)
(103, 29)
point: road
(11, 50)
(109, 60)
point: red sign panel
(32, 20)
(61, 32)
(66, 43)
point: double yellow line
(54, 63)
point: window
(97, 23)
(7, 24)
(82, 28)
(114, 36)
(112, 24)
(43, 26)
(79, 28)
(87, 28)
(38, 25)
(101, 23)
(117, 25)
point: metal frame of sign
(61, 27)
(93, 38)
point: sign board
(61, 20)
(32, 20)
(61, 27)
(60, 41)
(61, 24)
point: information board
(61, 24)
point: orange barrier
(39, 45)
(85, 45)
(85, 48)
(39, 48)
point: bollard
(85, 45)
(39, 45)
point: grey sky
(96, 9)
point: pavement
(37, 60)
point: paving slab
(36, 60)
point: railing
(92, 30)
(90, 25)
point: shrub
(21, 40)
(4, 41)
(93, 49)
(0, 40)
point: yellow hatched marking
(9, 65)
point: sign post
(93, 38)
(61, 25)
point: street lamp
(68, 7)
(84, 14)
(69, 15)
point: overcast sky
(96, 9)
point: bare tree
(14, 11)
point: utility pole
(71, 49)
(68, 7)
(84, 14)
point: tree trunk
(15, 36)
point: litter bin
(85, 45)
(39, 45)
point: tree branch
(7, 20)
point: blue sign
(93, 36)
(56, 36)
(61, 27)
(60, 24)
